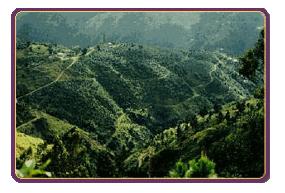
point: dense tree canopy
(134, 110)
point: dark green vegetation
(203, 168)
(252, 62)
(232, 32)
(135, 110)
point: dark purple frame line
(263, 179)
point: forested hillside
(231, 32)
(134, 109)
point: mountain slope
(122, 77)
(108, 102)
(192, 30)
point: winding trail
(74, 60)
(214, 69)
(195, 94)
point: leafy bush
(201, 168)
(179, 171)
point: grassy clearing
(24, 142)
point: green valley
(127, 108)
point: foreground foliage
(201, 168)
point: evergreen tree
(201, 168)
(253, 59)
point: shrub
(201, 168)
